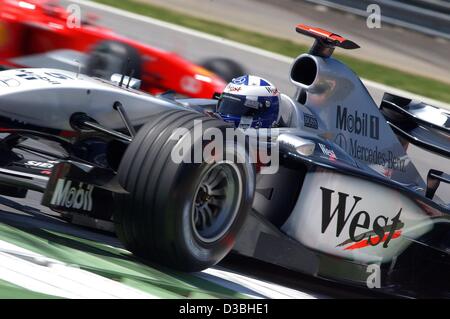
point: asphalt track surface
(28, 224)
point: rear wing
(419, 123)
(423, 125)
(326, 41)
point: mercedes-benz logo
(341, 140)
(239, 80)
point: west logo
(360, 124)
(76, 197)
(272, 90)
(235, 88)
(363, 229)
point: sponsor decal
(364, 229)
(70, 196)
(272, 90)
(190, 84)
(232, 88)
(239, 80)
(41, 165)
(310, 121)
(50, 77)
(328, 152)
(372, 154)
(361, 124)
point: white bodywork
(346, 216)
(308, 225)
(340, 100)
(48, 98)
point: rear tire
(225, 68)
(165, 217)
(109, 57)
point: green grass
(372, 71)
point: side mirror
(297, 144)
(133, 83)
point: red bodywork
(33, 27)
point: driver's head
(250, 101)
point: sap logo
(359, 124)
(374, 230)
(49, 164)
(76, 197)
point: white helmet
(250, 101)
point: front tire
(183, 215)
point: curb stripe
(48, 276)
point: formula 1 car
(40, 33)
(344, 200)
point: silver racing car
(345, 200)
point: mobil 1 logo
(358, 123)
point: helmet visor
(236, 105)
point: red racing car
(40, 33)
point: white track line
(38, 273)
(244, 47)
(252, 287)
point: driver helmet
(250, 101)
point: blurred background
(414, 34)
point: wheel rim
(216, 201)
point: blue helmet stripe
(242, 80)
